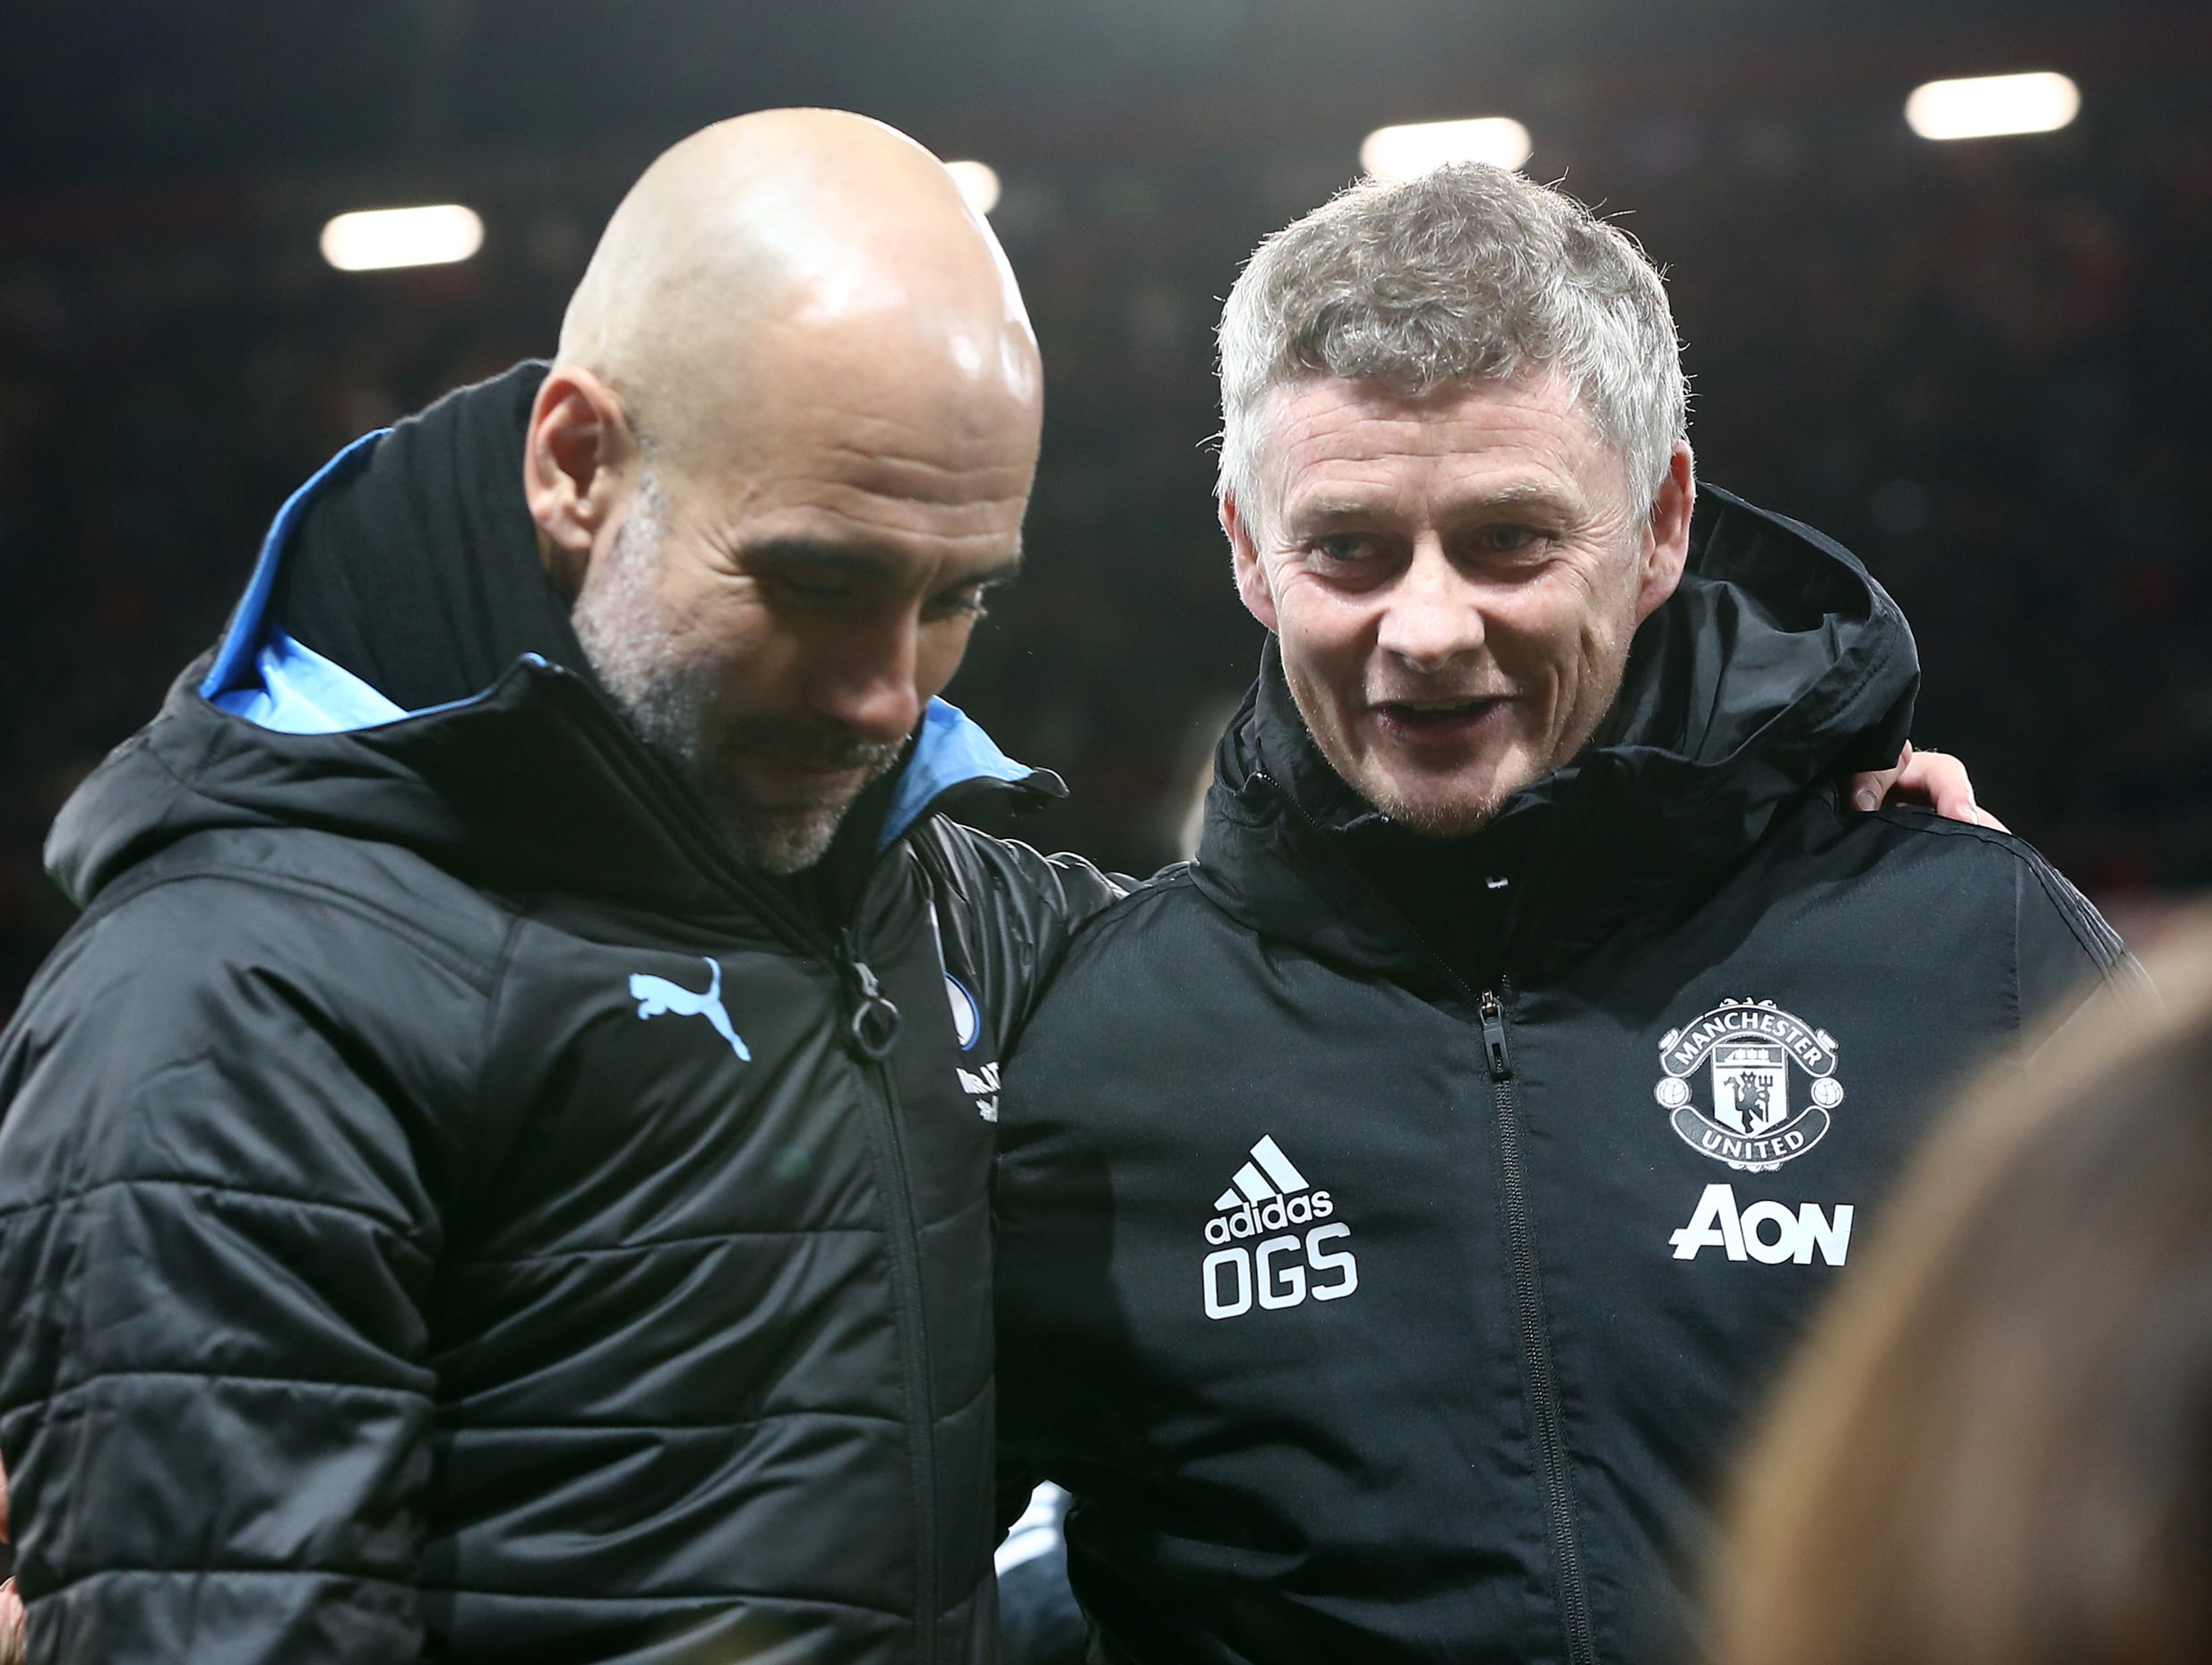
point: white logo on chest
(1767, 1232)
(1267, 1194)
(1745, 1050)
(657, 997)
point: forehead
(842, 464)
(1328, 436)
(908, 404)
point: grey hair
(1468, 273)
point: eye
(1506, 539)
(1342, 547)
(969, 602)
(813, 590)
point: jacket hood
(1777, 667)
(534, 781)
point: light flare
(1415, 147)
(378, 239)
(1987, 106)
(978, 182)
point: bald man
(498, 1172)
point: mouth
(797, 783)
(1439, 722)
(810, 768)
(799, 778)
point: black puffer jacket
(450, 1208)
(1393, 1234)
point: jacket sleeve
(2067, 959)
(1016, 911)
(216, 1239)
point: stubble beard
(1459, 817)
(667, 690)
(1428, 820)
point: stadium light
(1983, 106)
(375, 239)
(978, 182)
(1405, 151)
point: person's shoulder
(1964, 844)
(1174, 887)
(1129, 970)
(1140, 921)
(1903, 834)
(2061, 940)
(217, 1020)
(259, 874)
(1070, 886)
(327, 918)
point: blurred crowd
(1981, 366)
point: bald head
(782, 456)
(765, 251)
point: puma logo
(657, 994)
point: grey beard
(668, 692)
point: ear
(1252, 578)
(579, 467)
(1666, 540)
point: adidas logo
(1268, 1194)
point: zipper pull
(874, 1025)
(1493, 1038)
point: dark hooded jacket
(1394, 1233)
(450, 1205)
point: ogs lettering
(1280, 1271)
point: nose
(867, 678)
(1430, 615)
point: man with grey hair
(1402, 1204)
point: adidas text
(1273, 1215)
(1768, 1233)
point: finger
(11, 1623)
(1940, 780)
(1868, 789)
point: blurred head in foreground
(1996, 1449)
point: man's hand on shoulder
(11, 1604)
(1921, 780)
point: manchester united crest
(1748, 1084)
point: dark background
(1987, 367)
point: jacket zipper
(871, 1028)
(1540, 1385)
(1551, 1441)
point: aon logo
(1769, 1232)
(1280, 1271)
